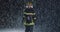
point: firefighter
(29, 17)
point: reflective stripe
(29, 23)
(29, 13)
(35, 18)
(29, 6)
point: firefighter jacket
(29, 16)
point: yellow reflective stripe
(29, 24)
(29, 13)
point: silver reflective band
(26, 6)
(29, 13)
(35, 18)
(29, 6)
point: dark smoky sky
(47, 13)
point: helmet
(29, 5)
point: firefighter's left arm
(34, 18)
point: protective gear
(29, 13)
(29, 28)
(32, 23)
(29, 5)
(29, 17)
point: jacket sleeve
(23, 16)
(34, 16)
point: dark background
(47, 12)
